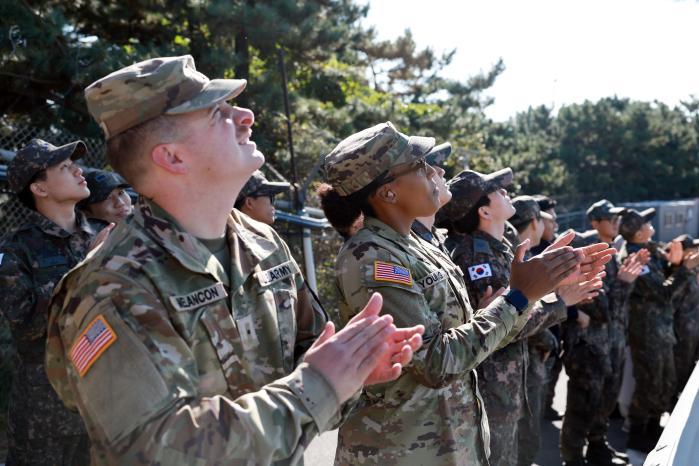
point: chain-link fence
(12, 138)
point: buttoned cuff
(316, 394)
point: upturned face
(64, 183)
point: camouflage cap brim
(648, 214)
(499, 179)
(215, 91)
(33, 158)
(439, 154)
(546, 215)
(617, 210)
(270, 188)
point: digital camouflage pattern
(154, 87)
(439, 154)
(542, 347)
(467, 188)
(364, 156)
(603, 210)
(37, 156)
(258, 185)
(101, 183)
(433, 413)
(632, 221)
(686, 322)
(205, 364)
(434, 236)
(594, 359)
(32, 261)
(652, 333)
(527, 209)
(502, 375)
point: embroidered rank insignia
(432, 279)
(198, 298)
(645, 270)
(95, 339)
(476, 272)
(387, 272)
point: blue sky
(558, 51)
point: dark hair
(523, 226)
(343, 211)
(26, 197)
(469, 222)
(239, 202)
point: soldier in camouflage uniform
(108, 199)
(256, 199)
(424, 226)
(185, 338)
(686, 305)
(52, 240)
(651, 329)
(594, 373)
(431, 415)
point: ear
(386, 194)
(247, 203)
(485, 213)
(38, 189)
(166, 157)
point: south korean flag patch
(476, 272)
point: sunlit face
(607, 228)
(550, 226)
(219, 140)
(645, 233)
(415, 189)
(115, 208)
(500, 207)
(538, 232)
(64, 183)
(260, 208)
(444, 193)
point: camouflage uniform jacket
(199, 367)
(32, 262)
(433, 413)
(651, 297)
(433, 236)
(503, 373)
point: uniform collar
(247, 248)
(421, 230)
(493, 242)
(50, 228)
(377, 226)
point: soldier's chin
(259, 157)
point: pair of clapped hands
(370, 349)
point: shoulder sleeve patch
(480, 246)
(476, 272)
(92, 342)
(392, 273)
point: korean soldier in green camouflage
(479, 211)
(256, 199)
(32, 261)
(594, 355)
(184, 339)
(651, 329)
(432, 414)
(686, 319)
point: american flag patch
(387, 272)
(95, 339)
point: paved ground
(322, 451)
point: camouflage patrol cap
(603, 210)
(467, 188)
(526, 210)
(101, 183)
(258, 185)
(360, 158)
(39, 155)
(545, 202)
(159, 86)
(439, 154)
(688, 242)
(632, 221)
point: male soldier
(594, 355)
(108, 200)
(175, 348)
(478, 214)
(256, 199)
(686, 305)
(52, 240)
(651, 330)
(424, 226)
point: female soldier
(432, 414)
